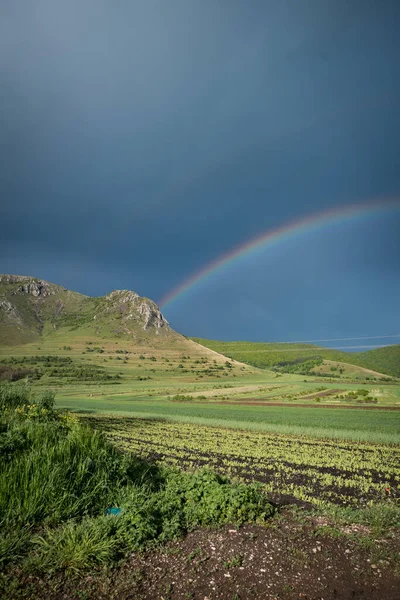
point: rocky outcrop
(152, 315)
(133, 308)
(38, 289)
(10, 312)
(30, 285)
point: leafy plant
(59, 477)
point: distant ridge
(304, 358)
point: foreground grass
(60, 479)
(62, 482)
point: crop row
(310, 470)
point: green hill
(385, 360)
(304, 358)
(47, 331)
(31, 309)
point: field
(326, 445)
(372, 425)
(304, 469)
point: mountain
(31, 308)
(58, 337)
(308, 358)
(35, 311)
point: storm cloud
(141, 140)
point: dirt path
(290, 559)
(322, 394)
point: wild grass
(380, 517)
(59, 477)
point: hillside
(385, 360)
(307, 358)
(49, 331)
(31, 309)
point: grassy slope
(267, 355)
(33, 317)
(385, 360)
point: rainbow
(274, 237)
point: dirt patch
(322, 394)
(286, 560)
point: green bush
(14, 395)
(60, 477)
(181, 398)
(46, 400)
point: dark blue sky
(141, 140)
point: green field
(316, 471)
(189, 383)
(352, 424)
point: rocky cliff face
(30, 285)
(8, 311)
(135, 310)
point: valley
(318, 435)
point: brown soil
(303, 476)
(322, 394)
(287, 560)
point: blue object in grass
(113, 510)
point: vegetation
(302, 358)
(297, 424)
(384, 360)
(61, 480)
(319, 422)
(54, 367)
(320, 472)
